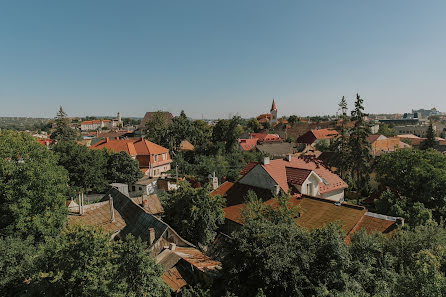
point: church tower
(273, 114)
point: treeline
(215, 147)
(39, 254)
(23, 123)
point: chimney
(151, 236)
(145, 203)
(276, 189)
(266, 161)
(214, 182)
(172, 246)
(289, 157)
(112, 210)
(106, 140)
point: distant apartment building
(418, 130)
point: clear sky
(222, 57)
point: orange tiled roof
(262, 137)
(222, 189)
(143, 149)
(94, 122)
(324, 133)
(248, 144)
(277, 169)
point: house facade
(154, 160)
(294, 175)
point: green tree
(33, 188)
(227, 132)
(253, 125)
(293, 119)
(385, 130)
(414, 213)
(359, 145)
(17, 257)
(76, 263)
(418, 175)
(156, 128)
(63, 131)
(137, 272)
(121, 168)
(203, 133)
(83, 261)
(87, 169)
(271, 254)
(340, 145)
(430, 141)
(194, 213)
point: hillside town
(188, 190)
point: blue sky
(216, 58)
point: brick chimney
(151, 235)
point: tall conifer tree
(360, 148)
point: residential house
(314, 136)
(382, 144)
(183, 264)
(304, 175)
(154, 160)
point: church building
(271, 117)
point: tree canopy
(33, 188)
(417, 175)
(63, 131)
(194, 213)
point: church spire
(273, 107)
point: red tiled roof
(313, 135)
(277, 169)
(94, 122)
(373, 137)
(140, 148)
(222, 189)
(262, 137)
(248, 144)
(324, 133)
(248, 167)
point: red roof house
(153, 159)
(313, 136)
(265, 137)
